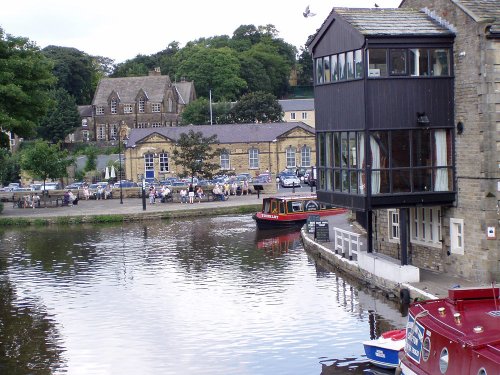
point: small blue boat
(383, 352)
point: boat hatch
(469, 293)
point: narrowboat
(455, 335)
(384, 351)
(291, 211)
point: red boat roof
(478, 321)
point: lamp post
(120, 162)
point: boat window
(443, 361)
(426, 348)
(482, 372)
(311, 206)
(282, 207)
(267, 206)
(295, 206)
(274, 207)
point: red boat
(291, 211)
(455, 335)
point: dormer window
(142, 104)
(114, 106)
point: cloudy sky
(123, 29)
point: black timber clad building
(384, 110)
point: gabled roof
(230, 133)
(185, 90)
(482, 11)
(297, 105)
(128, 87)
(385, 22)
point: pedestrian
(191, 193)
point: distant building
(298, 110)
(249, 148)
(125, 103)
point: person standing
(191, 193)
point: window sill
(436, 245)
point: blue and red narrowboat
(291, 211)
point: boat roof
(294, 197)
(479, 325)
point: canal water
(204, 296)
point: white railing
(350, 240)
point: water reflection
(206, 296)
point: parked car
(290, 181)
(125, 184)
(52, 186)
(74, 185)
(262, 178)
(12, 186)
(244, 176)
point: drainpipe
(368, 164)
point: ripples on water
(206, 296)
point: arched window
(290, 157)
(305, 156)
(170, 105)
(224, 160)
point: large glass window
(419, 62)
(319, 70)
(377, 62)
(224, 160)
(358, 63)
(305, 156)
(335, 68)
(290, 157)
(253, 158)
(326, 69)
(342, 67)
(349, 60)
(163, 162)
(398, 61)
(440, 62)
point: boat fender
(398, 371)
(404, 296)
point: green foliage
(305, 68)
(1, 207)
(10, 169)
(91, 163)
(74, 70)
(197, 112)
(195, 153)
(257, 107)
(43, 161)
(25, 77)
(61, 119)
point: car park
(125, 184)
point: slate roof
(231, 133)
(127, 88)
(482, 11)
(185, 90)
(392, 22)
(85, 110)
(297, 105)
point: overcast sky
(123, 29)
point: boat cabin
(277, 205)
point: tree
(74, 70)
(62, 119)
(25, 77)
(257, 107)
(305, 68)
(197, 112)
(43, 161)
(195, 154)
(9, 167)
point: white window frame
(292, 116)
(141, 125)
(291, 161)
(156, 125)
(393, 225)
(304, 115)
(164, 166)
(128, 108)
(114, 106)
(225, 161)
(142, 104)
(113, 131)
(425, 227)
(99, 110)
(85, 135)
(305, 156)
(253, 158)
(457, 236)
(85, 123)
(149, 162)
(101, 132)
(155, 107)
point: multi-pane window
(163, 157)
(128, 108)
(304, 115)
(292, 116)
(457, 236)
(99, 110)
(156, 125)
(114, 106)
(149, 164)
(224, 161)
(113, 131)
(426, 225)
(155, 107)
(393, 216)
(253, 158)
(142, 104)
(290, 157)
(305, 156)
(101, 132)
(141, 125)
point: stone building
(152, 101)
(298, 110)
(411, 141)
(246, 148)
